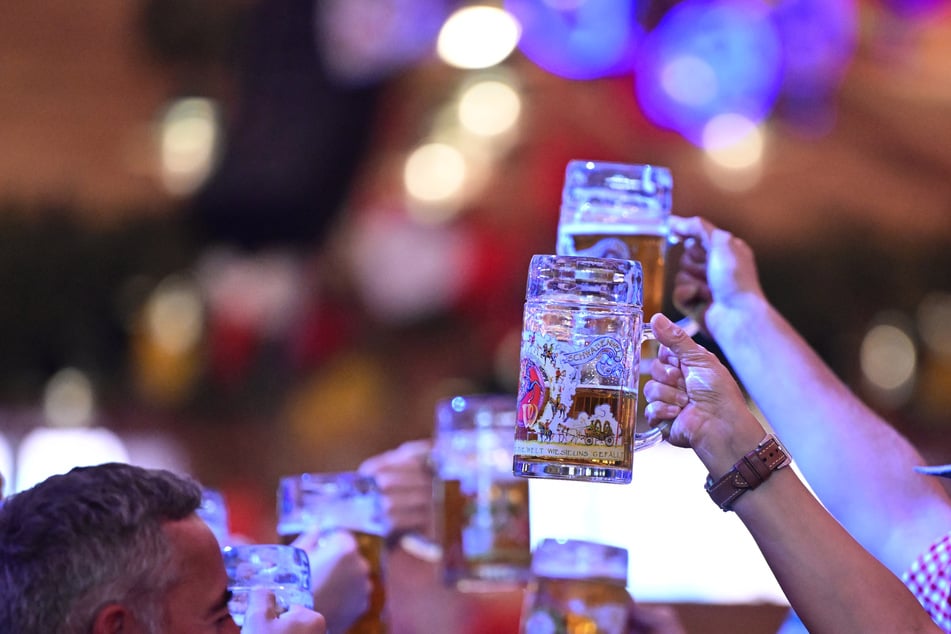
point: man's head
(110, 541)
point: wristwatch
(749, 472)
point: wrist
(728, 319)
(748, 473)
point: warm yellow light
(733, 141)
(888, 357)
(188, 144)
(68, 399)
(478, 37)
(489, 108)
(434, 172)
(174, 315)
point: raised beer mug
(582, 332)
(577, 587)
(618, 210)
(333, 501)
(481, 507)
(284, 570)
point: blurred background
(246, 238)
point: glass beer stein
(578, 377)
(284, 570)
(619, 210)
(577, 587)
(340, 501)
(482, 508)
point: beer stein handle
(643, 440)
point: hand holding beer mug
(482, 508)
(284, 570)
(577, 587)
(578, 378)
(328, 502)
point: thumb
(673, 337)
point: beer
(577, 587)
(647, 244)
(484, 532)
(340, 501)
(595, 605)
(596, 432)
(373, 550)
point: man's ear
(113, 618)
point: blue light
(458, 404)
(706, 58)
(578, 39)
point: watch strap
(749, 472)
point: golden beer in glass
(340, 501)
(619, 210)
(482, 508)
(577, 587)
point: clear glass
(340, 501)
(582, 332)
(482, 519)
(619, 210)
(577, 587)
(284, 570)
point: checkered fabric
(929, 579)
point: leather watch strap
(749, 472)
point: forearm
(830, 433)
(830, 580)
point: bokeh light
(189, 144)
(434, 173)
(888, 359)
(489, 107)
(705, 59)
(68, 400)
(578, 39)
(477, 37)
(933, 320)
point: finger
(694, 227)
(655, 391)
(675, 338)
(667, 374)
(262, 607)
(659, 412)
(299, 619)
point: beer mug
(481, 507)
(617, 210)
(620, 210)
(284, 570)
(577, 587)
(578, 375)
(340, 501)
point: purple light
(707, 58)
(915, 9)
(819, 39)
(578, 39)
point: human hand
(339, 576)
(405, 481)
(692, 390)
(716, 270)
(262, 617)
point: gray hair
(80, 541)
